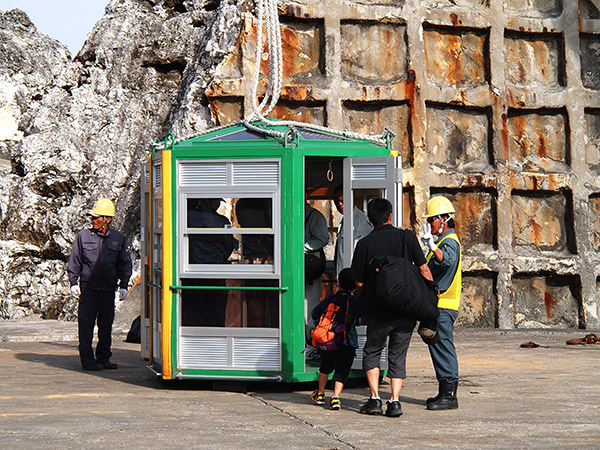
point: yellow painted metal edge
(167, 262)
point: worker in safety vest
(444, 261)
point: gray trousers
(399, 340)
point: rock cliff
(73, 129)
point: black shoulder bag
(401, 286)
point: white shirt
(362, 227)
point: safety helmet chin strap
(104, 226)
(443, 222)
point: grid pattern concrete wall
(496, 104)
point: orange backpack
(330, 332)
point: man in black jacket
(382, 322)
(99, 259)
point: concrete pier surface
(510, 398)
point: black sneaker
(94, 367)
(394, 409)
(109, 366)
(372, 406)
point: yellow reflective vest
(450, 299)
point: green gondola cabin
(241, 192)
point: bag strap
(347, 311)
(404, 244)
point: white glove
(75, 291)
(122, 294)
(427, 237)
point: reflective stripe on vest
(451, 298)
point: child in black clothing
(339, 360)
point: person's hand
(427, 237)
(75, 291)
(122, 294)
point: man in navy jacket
(100, 262)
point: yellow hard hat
(103, 207)
(437, 206)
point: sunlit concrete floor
(510, 398)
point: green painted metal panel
(292, 320)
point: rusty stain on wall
(455, 56)
(301, 47)
(546, 298)
(548, 302)
(536, 231)
(307, 113)
(538, 140)
(534, 59)
(539, 181)
(539, 221)
(226, 110)
(475, 217)
(408, 209)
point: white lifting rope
(267, 16)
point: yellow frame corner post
(168, 266)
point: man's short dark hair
(346, 281)
(378, 211)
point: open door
(366, 178)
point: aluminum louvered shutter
(369, 172)
(260, 174)
(203, 174)
(156, 177)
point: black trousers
(339, 360)
(95, 306)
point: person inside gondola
(207, 307)
(261, 306)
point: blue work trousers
(443, 354)
(95, 306)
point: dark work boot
(447, 399)
(437, 397)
